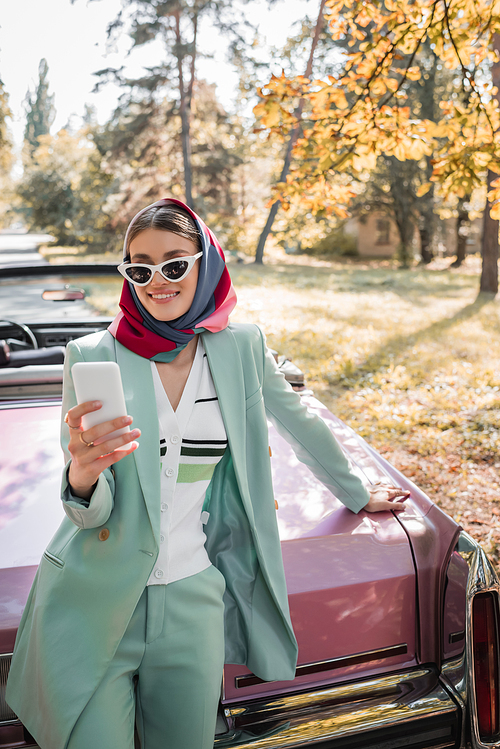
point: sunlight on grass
(410, 359)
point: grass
(410, 359)
(59, 255)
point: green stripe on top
(190, 473)
(203, 452)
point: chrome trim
(13, 721)
(39, 381)
(379, 704)
(454, 678)
(32, 374)
(249, 680)
(459, 673)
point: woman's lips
(162, 297)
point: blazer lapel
(227, 371)
(138, 387)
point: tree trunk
(186, 156)
(403, 217)
(185, 106)
(462, 219)
(489, 248)
(425, 245)
(259, 253)
(489, 244)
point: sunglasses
(140, 274)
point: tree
(462, 230)
(489, 243)
(399, 189)
(149, 161)
(40, 110)
(176, 24)
(64, 190)
(292, 138)
(362, 111)
(5, 140)
(6, 156)
(392, 190)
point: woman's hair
(167, 218)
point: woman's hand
(90, 451)
(383, 498)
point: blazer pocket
(253, 399)
(53, 560)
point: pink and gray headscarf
(214, 300)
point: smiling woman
(169, 559)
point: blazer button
(104, 534)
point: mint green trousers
(166, 672)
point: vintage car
(396, 614)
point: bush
(336, 244)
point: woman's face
(163, 299)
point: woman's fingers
(81, 439)
(90, 451)
(382, 505)
(97, 434)
(399, 494)
(384, 498)
(74, 416)
(109, 446)
(113, 457)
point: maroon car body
(396, 615)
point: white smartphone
(100, 381)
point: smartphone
(100, 381)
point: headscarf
(214, 299)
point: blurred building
(377, 235)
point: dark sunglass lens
(175, 270)
(139, 275)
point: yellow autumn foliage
(361, 111)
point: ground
(409, 358)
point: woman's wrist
(80, 490)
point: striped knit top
(192, 441)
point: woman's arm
(314, 444)
(88, 480)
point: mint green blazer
(86, 590)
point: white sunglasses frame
(190, 259)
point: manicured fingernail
(97, 404)
(135, 432)
(127, 420)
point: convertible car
(396, 614)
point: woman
(169, 554)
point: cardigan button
(104, 534)
(158, 573)
(169, 472)
(174, 439)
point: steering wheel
(26, 330)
